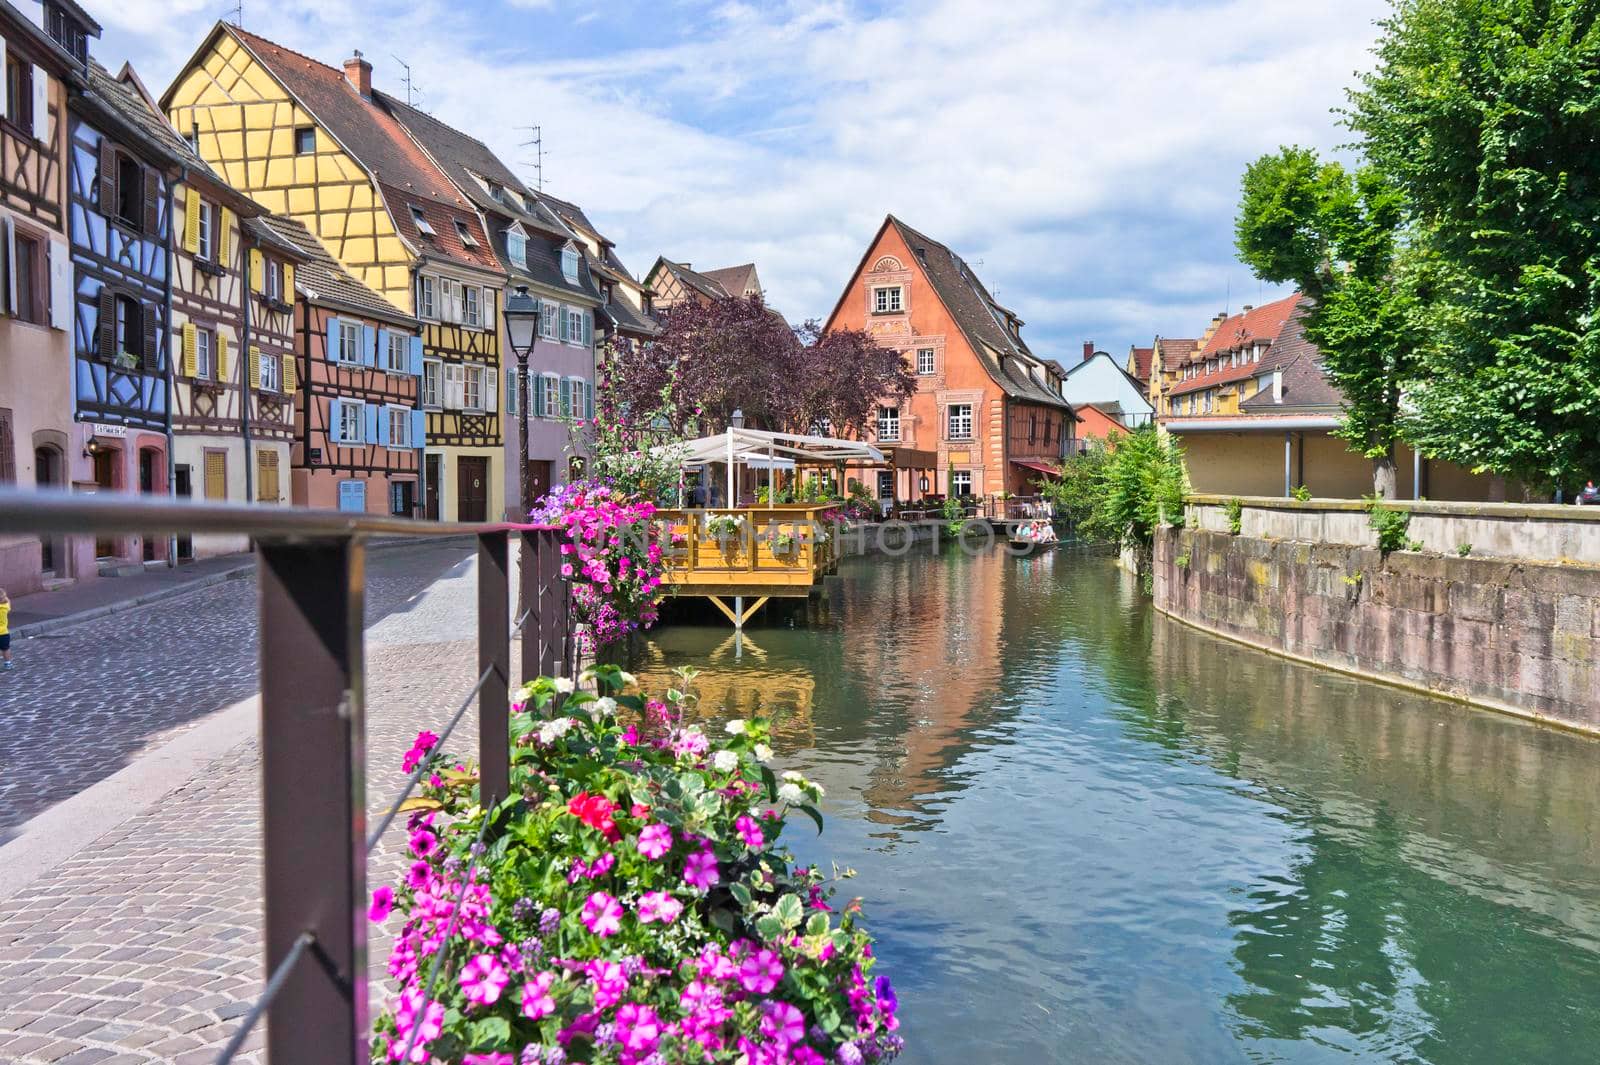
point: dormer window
(569, 263)
(517, 248)
(467, 239)
(422, 222)
(496, 190)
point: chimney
(358, 72)
(1246, 309)
(1088, 350)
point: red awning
(1041, 467)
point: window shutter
(191, 220)
(368, 344)
(565, 333)
(107, 178)
(491, 393)
(454, 386)
(290, 366)
(288, 282)
(255, 366)
(512, 395)
(41, 104)
(336, 422)
(222, 356)
(224, 236)
(152, 203)
(381, 425)
(588, 400)
(106, 342)
(334, 336)
(371, 412)
(62, 296)
(538, 397)
(152, 357)
(8, 255)
(487, 309)
(416, 356)
(383, 349)
(419, 428)
(3, 108)
(190, 341)
(566, 397)
(588, 328)
(257, 274)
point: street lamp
(922, 483)
(522, 331)
(738, 418)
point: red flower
(595, 811)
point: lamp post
(522, 331)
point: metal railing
(311, 568)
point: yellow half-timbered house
(316, 144)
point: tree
(1485, 114)
(1337, 236)
(844, 376)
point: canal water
(1085, 833)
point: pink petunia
(602, 914)
(537, 1001)
(700, 870)
(382, 904)
(783, 1024)
(749, 831)
(609, 980)
(760, 972)
(482, 979)
(655, 841)
(639, 1028)
(658, 906)
(423, 843)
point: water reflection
(1089, 834)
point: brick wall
(1517, 636)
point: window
(472, 394)
(347, 418)
(925, 362)
(886, 300)
(274, 280)
(552, 396)
(349, 341)
(130, 327)
(19, 92)
(470, 296)
(270, 371)
(549, 320)
(399, 426)
(517, 248)
(497, 191)
(422, 222)
(960, 421)
(28, 274)
(960, 482)
(569, 263)
(305, 140)
(397, 353)
(885, 484)
(130, 191)
(888, 423)
(427, 297)
(430, 382)
(402, 498)
(205, 354)
(575, 323)
(207, 215)
(467, 239)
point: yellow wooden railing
(779, 550)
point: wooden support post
(494, 656)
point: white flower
(602, 707)
(725, 761)
(736, 727)
(794, 778)
(551, 731)
(564, 685)
(791, 794)
(763, 753)
(627, 679)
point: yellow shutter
(266, 476)
(255, 367)
(288, 282)
(190, 360)
(257, 274)
(222, 356)
(191, 221)
(216, 476)
(288, 374)
(224, 236)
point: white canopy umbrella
(748, 447)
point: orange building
(987, 413)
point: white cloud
(1088, 152)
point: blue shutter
(368, 345)
(513, 396)
(588, 328)
(335, 423)
(416, 357)
(562, 315)
(538, 397)
(588, 399)
(566, 397)
(419, 428)
(383, 349)
(332, 351)
(371, 412)
(382, 425)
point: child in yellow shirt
(5, 631)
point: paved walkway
(48, 611)
(144, 945)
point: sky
(1082, 155)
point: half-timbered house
(359, 431)
(36, 428)
(316, 144)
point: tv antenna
(236, 13)
(536, 142)
(413, 90)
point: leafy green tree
(1486, 115)
(1141, 482)
(1336, 234)
(1075, 491)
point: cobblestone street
(145, 946)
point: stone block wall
(1517, 636)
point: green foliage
(1141, 485)
(1235, 509)
(953, 509)
(1076, 490)
(1182, 561)
(1463, 549)
(1336, 234)
(1485, 114)
(1301, 492)
(1391, 525)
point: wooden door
(267, 489)
(149, 477)
(183, 488)
(105, 477)
(472, 488)
(432, 472)
(538, 481)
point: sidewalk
(33, 615)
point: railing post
(494, 656)
(528, 590)
(313, 762)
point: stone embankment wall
(1513, 625)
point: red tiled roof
(1174, 351)
(1141, 364)
(403, 172)
(1221, 377)
(1258, 323)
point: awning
(1040, 467)
(1247, 424)
(910, 458)
(744, 446)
